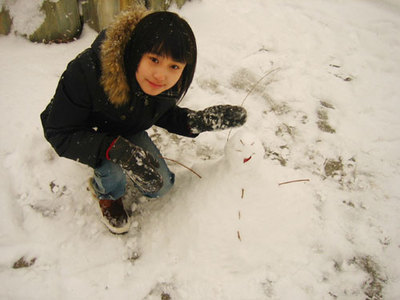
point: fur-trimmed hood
(117, 35)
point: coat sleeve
(175, 120)
(66, 120)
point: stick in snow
(251, 90)
(292, 181)
(182, 165)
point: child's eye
(175, 67)
(154, 59)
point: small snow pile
(26, 15)
(244, 151)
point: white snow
(301, 203)
(26, 15)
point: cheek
(142, 68)
(138, 72)
(176, 77)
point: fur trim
(113, 77)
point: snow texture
(26, 15)
(303, 202)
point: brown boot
(114, 215)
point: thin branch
(238, 235)
(259, 80)
(182, 165)
(251, 90)
(293, 181)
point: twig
(242, 193)
(259, 80)
(251, 90)
(292, 181)
(182, 165)
(238, 235)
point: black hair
(165, 34)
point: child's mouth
(154, 85)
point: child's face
(156, 74)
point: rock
(62, 23)
(98, 14)
(5, 21)
(163, 4)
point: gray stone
(62, 23)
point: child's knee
(109, 180)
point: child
(131, 78)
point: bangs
(175, 48)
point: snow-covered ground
(325, 113)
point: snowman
(243, 152)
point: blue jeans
(109, 179)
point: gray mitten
(140, 164)
(216, 118)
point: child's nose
(160, 75)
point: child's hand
(140, 164)
(216, 118)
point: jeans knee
(109, 181)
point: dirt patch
(24, 263)
(323, 121)
(373, 286)
(333, 167)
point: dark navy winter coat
(86, 114)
